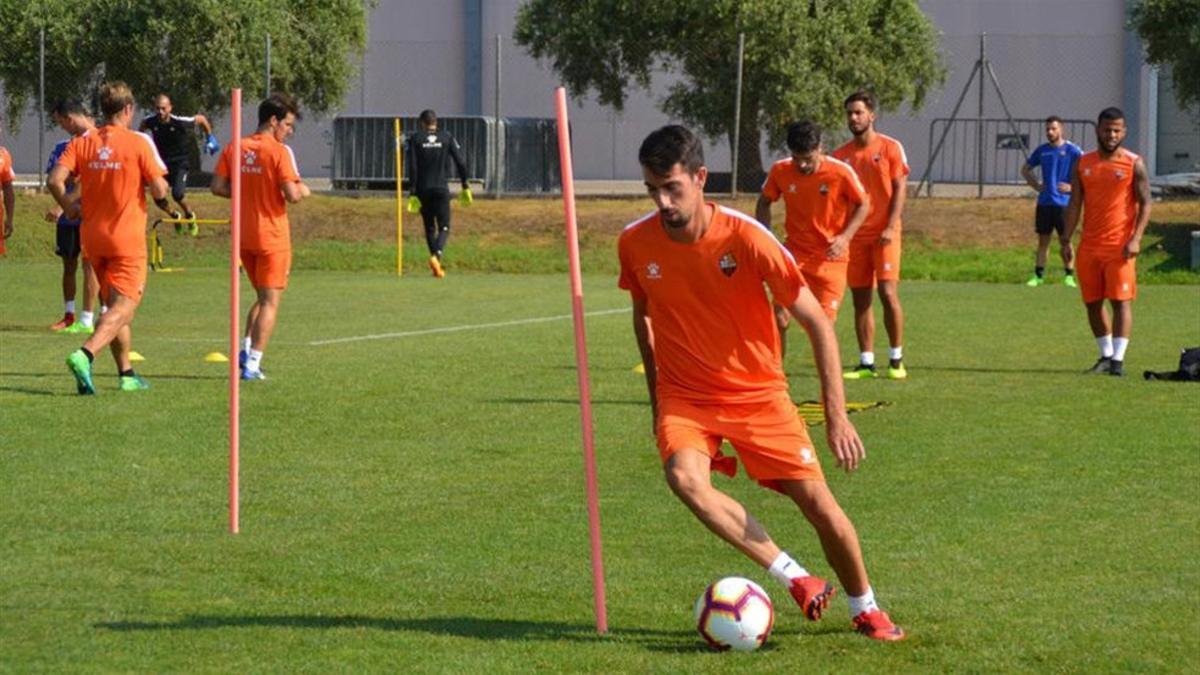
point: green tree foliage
(1170, 30)
(802, 57)
(197, 50)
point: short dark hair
(114, 96)
(803, 136)
(68, 106)
(1054, 119)
(277, 105)
(428, 117)
(162, 94)
(671, 145)
(1110, 113)
(867, 98)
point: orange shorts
(871, 261)
(827, 281)
(124, 274)
(769, 437)
(1105, 275)
(268, 269)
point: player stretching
(705, 328)
(173, 137)
(1112, 187)
(75, 120)
(428, 150)
(1056, 158)
(269, 177)
(112, 163)
(881, 165)
(825, 205)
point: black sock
(1068, 271)
(894, 363)
(1039, 271)
(127, 373)
(91, 356)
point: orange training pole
(235, 244)
(581, 362)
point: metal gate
(991, 151)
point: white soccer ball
(735, 613)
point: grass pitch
(416, 502)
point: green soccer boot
(81, 368)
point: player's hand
(414, 204)
(1067, 253)
(888, 234)
(465, 198)
(211, 146)
(74, 211)
(836, 247)
(1132, 248)
(1064, 188)
(844, 442)
(53, 214)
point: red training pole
(581, 362)
(235, 245)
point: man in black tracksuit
(174, 137)
(427, 172)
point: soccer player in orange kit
(697, 274)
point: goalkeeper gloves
(211, 146)
(414, 204)
(465, 198)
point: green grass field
(416, 502)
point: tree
(1170, 29)
(197, 50)
(802, 58)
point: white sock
(246, 343)
(785, 569)
(254, 359)
(862, 603)
(70, 304)
(1119, 345)
(1105, 342)
(86, 318)
(896, 353)
(866, 358)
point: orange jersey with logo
(715, 339)
(1109, 199)
(6, 175)
(817, 204)
(266, 163)
(113, 165)
(877, 164)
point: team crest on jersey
(807, 456)
(249, 157)
(653, 271)
(878, 157)
(1119, 174)
(728, 264)
(1087, 172)
(792, 187)
(104, 154)
(824, 189)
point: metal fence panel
(364, 147)
(1004, 149)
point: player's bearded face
(1053, 132)
(677, 194)
(1110, 133)
(859, 118)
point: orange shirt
(715, 339)
(877, 164)
(1109, 200)
(6, 176)
(266, 163)
(817, 204)
(113, 165)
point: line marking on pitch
(456, 329)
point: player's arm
(645, 341)
(1141, 194)
(459, 163)
(895, 208)
(221, 187)
(294, 190)
(857, 217)
(1027, 174)
(56, 183)
(203, 123)
(1071, 217)
(843, 439)
(762, 210)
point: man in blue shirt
(75, 120)
(1056, 158)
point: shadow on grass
(36, 392)
(1026, 371)
(455, 626)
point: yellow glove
(414, 204)
(465, 198)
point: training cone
(134, 356)
(216, 357)
(640, 368)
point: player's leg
(430, 208)
(271, 277)
(91, 293)
(893, 322)
(1064, 248)
(70, 264)
(1120, 275)
(1122, 325)
(864, 330)
(1043, 225)
(1101, 326)
(443, 227)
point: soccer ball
(735, 613)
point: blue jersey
(1057, 164)
(54, 155)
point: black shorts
(66, 241)
(177, 174)
(1050, 219)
